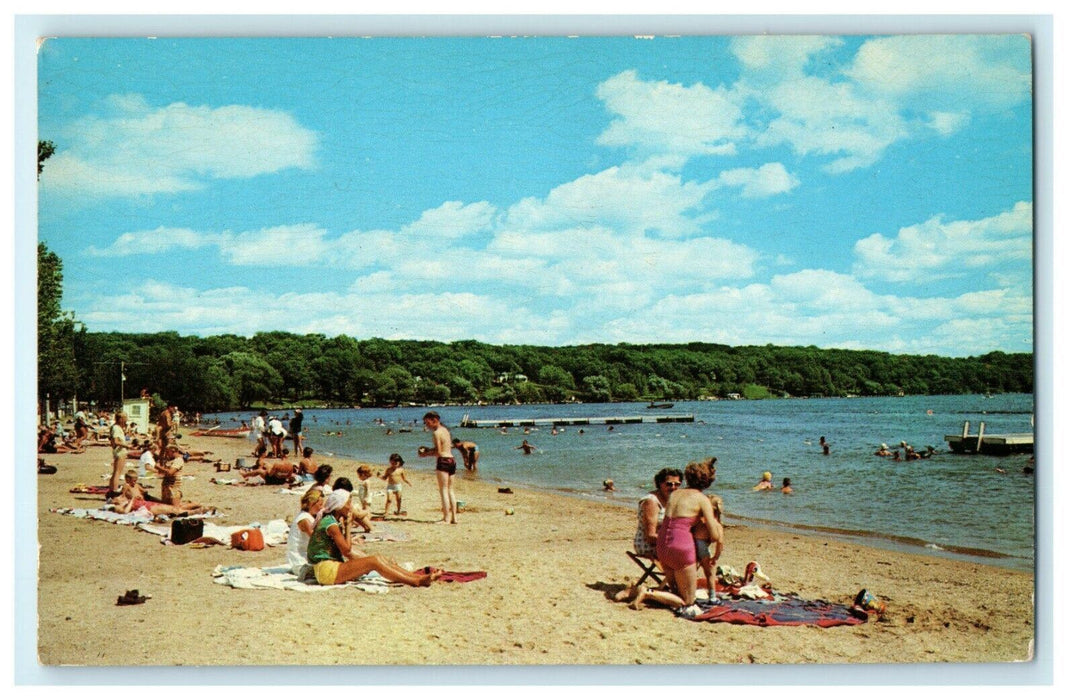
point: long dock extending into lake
(998, 444)
(467, 422)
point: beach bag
(186, 530)
(250, 540)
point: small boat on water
(660, 405)
(222, 432)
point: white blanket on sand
(281, 578)
(135, 518)
(274, 532)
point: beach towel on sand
(137, 517)
(281, 578)
(754, 602)
(780, 610)
(82, 488)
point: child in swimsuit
(395, 478)
(703, 553)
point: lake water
(950, 505)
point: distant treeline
(228, 372)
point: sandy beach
(553, 564)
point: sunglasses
(671, 483)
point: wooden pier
(1000, 444)
(467, 422)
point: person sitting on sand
(675, 543)
(133, 497)
(279, 473)
(335, 561)
(786, 488)
(46, 443)
(321, 476)
(394, 478)
(298, 537)
(147, 461)
(82, 427)
(766, 483)
(651, 511)
(359, 516)
(47, 436)
(306, 464)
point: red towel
(461, 576)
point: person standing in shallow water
(445, 469)
(469, 452)
(824, 445)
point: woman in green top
(334, 560)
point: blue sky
(864, 192)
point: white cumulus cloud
(276, 245)
(623, 199)
(138, 149)
(159, 240)
(938, 248)
(949, 69)
(658, 117)
(764, 181)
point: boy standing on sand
(442, 450)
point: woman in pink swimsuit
(675, 543)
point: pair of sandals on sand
(132, 598)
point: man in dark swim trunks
(469, 452)
(442, 450)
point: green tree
(626, 392)
(57, 370)
(253, 378)
(554, 375)
(45, 149)
(596, 389)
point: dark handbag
(186, 530)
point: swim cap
(336, 500)
(768, 476)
